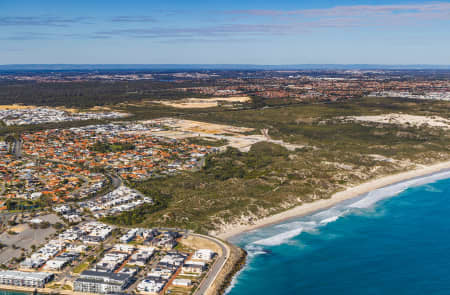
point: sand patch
(69, 110)
(15, 107)
(197, 103)
(19, 228)
(405, 119)
(92, 109)
(201, 127)
(196, 242)
(100, 109)
(234, 135)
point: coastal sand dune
(353, 192)
(405, 119)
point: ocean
(394, 240)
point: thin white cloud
(52, 21)
(437, 8)
(133, 19)
(258, 23)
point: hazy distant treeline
(88, 94)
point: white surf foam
(322, 218)
(386, 192)
(279, 238)
(432, 189)
(306, 225)
(330, 219)
(375, 196)
(253, 250)
(237, 275)
(293, 229)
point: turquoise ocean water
(395, 240)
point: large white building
(25, 279)
(101, 282)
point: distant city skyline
(232, 32)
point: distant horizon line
(226, 66)
(255, 64)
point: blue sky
(224, 32)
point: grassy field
(236, 186)
(80, 267)
(205, 141)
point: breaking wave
(280, 238)
(283, 233)
(389, 191)
(253, 250)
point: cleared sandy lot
(235, 136)
(203, 127)
(15, 107)
(196, 242)
(25, 237)
(405, 119)
(197, 103)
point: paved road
(2, 188)
(216, 268)
(116, 181)
(4, 217)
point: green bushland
(263, 181)
(90, 93)
(20, 204)
(319, 125)
(269, 179)
(105, 147)
(207, 141)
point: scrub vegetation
(235, 186)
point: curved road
(216, 268)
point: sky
(224, 32)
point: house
(101, 282)
(151, 285)
(182, 282)
(203, 254)
(142, 256)
(56, 264)
(194, 267)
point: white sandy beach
(353, 192)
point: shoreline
(32, 290)
(350, 193)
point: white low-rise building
(151, 286)
(25, 279)
(56, 264)
(182, 282)
(194, 267)
(203, 254)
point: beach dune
(338, 197)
